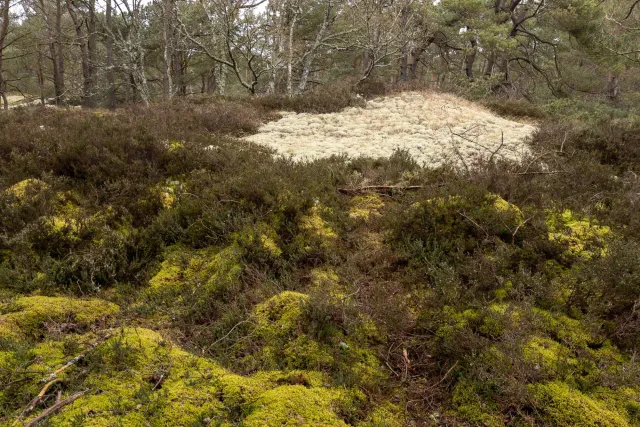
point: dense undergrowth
(157, 271)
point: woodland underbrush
(154, 268)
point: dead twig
(513, 235)
(31, 406)
(381, 188)
(59, 404)
(444, 377)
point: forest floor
(434, 128)
(158, 269)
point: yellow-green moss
(385, 414)
(471, 407)
(315, 228)
(364, 207)
(26, 316)
(326, 280)
(137, 377)
(582, 237)
(562, 405)
(26, 188)
(174, 145)
(569, 331)
(260, 236)
(279, 315)
(208, 269)
(294, 405)
(548, 355)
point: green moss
(294, 405)
(624, 400)
(261, 237)
(326, 280)
(209, 270)
(280, 315)
(385, 415)
(25, 189)
(567, 330)
(27, 316)
(562, 405)
(316, 230)
(364, 207)
(548, 355)
(472, 407)
(137, 377)
(582, 237)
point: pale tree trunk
(52, 39)
(60, 45)
(111, 78)
(84, 55)
(290, 60)
(167, 83)
(92, 47)
(309, 56)
(276, 44)
(4, 30)
(613, 86)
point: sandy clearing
(433, 128)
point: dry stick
(444, 377)
(76, 359)
(385, 188)
(54, 408)
(53, 378)
(31, 406)
(499, 147)
(513, 236)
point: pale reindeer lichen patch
(434, 128)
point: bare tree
(4, 30)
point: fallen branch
(52, 378)
(59, 404)
(444, 377)
(75, 360)
(381, 188)
(31, 406)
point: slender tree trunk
(60, 45)
(613, 86)
(292, 25)
(111, 78)
(470, 59)
(40, 74)
(211, 82)
(84, 55)
(4, 30)
(92, 46)
(309, 56)
(167, 83)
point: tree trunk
(60, 54)
(111, 78)
(290, 60)
(84, 55)
(309, 56)
(167, 83)
(613, 86)
(4, 30)
(92, 46)
(470, 59)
